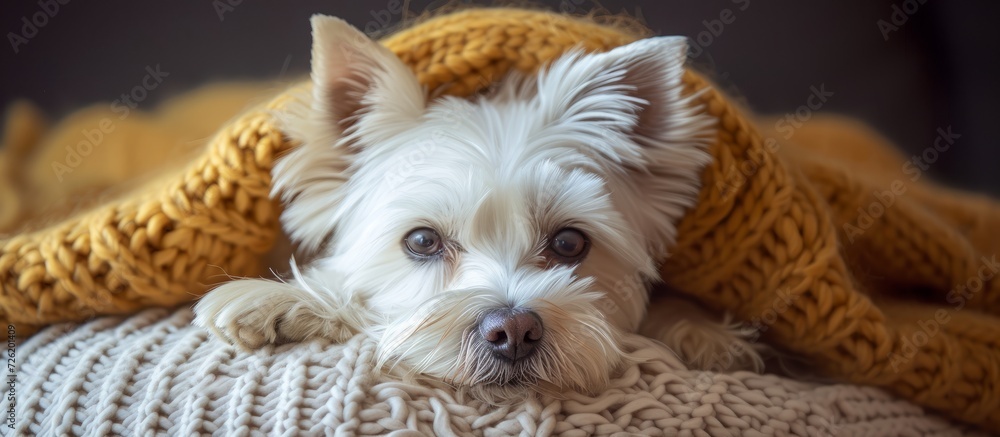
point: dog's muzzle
(512, 333)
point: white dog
(500, 243)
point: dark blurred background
(909, 67)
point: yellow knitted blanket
(827, 242)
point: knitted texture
(776, 239)
(896, 290)
(165, 242)
(155, 374)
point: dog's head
(506, 239)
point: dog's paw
(701, 341)
(302, 324)
(250, 330)
(252, 313)
(718, 347)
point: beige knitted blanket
(155, 374)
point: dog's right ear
(354, 76)
(362, 94)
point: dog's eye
(424, 242)
(569, 245)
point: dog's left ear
(635, 90)
(628, 106)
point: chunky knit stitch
(766, 243)
(160, 245)
(908, 303)
(155, 374)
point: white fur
(605, 143)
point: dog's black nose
(512, 333)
